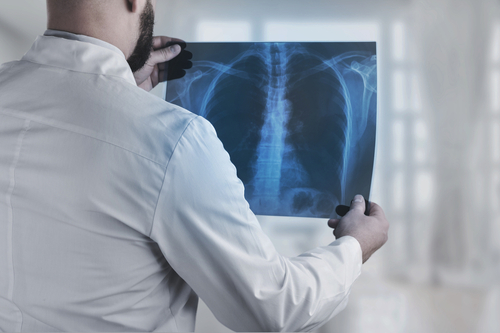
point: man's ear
(132, 5)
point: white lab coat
(118, 210)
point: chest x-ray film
(297, 119)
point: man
(120, 209)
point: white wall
(10, 45)
(20, 23)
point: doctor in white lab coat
(118, 209)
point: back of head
(114, 21)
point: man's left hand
(150, 75)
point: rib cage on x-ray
(298, 119)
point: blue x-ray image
(297, 119)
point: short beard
(142, 50)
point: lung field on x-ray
(298, 119)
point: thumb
(358, 203)
(165, 54)
(333, 223)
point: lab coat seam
(21, 324)
(8, 199)
(38, 320)
(82, 72)
(52, 33)
(38, 121)
(22, 321)
(172, 314)
(165, 173)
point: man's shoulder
(140, 122)
(8, 70)
(151, 114)
(106, 108)
(156, 122)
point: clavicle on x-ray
(297, 119)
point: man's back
(82, 162)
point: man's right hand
(370, 231)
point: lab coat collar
(79, 53)
(82, 38)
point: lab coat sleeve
(211, 238)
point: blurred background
(437, 171)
